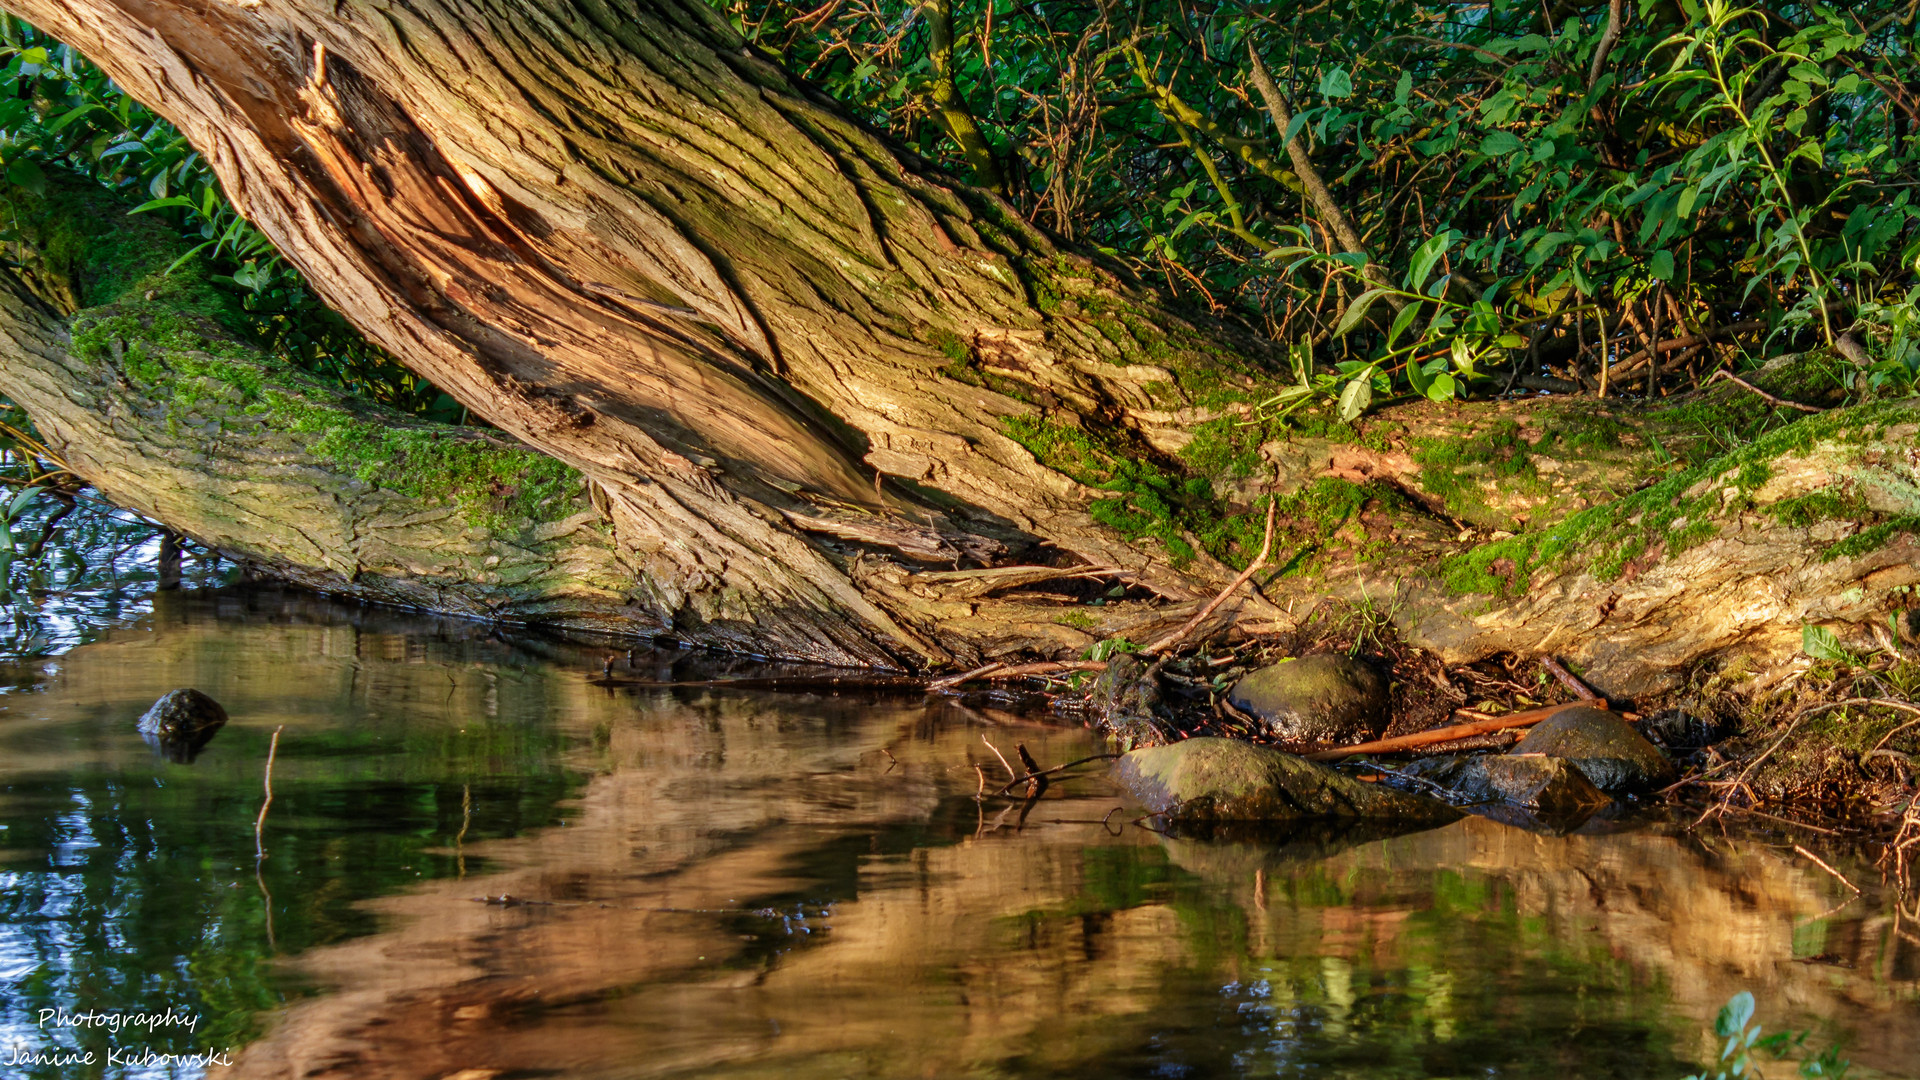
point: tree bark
(625, 238)
(788, 354)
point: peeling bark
(624, 237)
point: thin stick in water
(1842, 878)
(260, 823)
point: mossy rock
(1618, 759)
(1212, 780)
(1315, 700)
(1552, 787)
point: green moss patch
(186, 363)
(1663, 520)
(1455, 470)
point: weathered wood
(786, 355)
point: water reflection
(480, 864)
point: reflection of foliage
(140, 894)
(1740, 1054)
(68, 562)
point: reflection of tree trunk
(777, 345)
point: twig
(1741, 780)
(260, 823)
(1017, 671)
(1784, 821)
(1036, 780)
(1445, 734)
(1315, 185)
(1633, 360)
(1615, 17)
(1266, 548)
(952, 681)
(1782, 402)
(1567, 679)
(1888, 737)
(1817, 862)
(1001, 756)
(1056, 769)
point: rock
(1124, 700)
(1316, 699)
(1211, 780)
(180, 724)
(1552, 786)
(1233, 851)
(1600, 744)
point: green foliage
(1527, 195)
(1740, 1055)
(1822, 644)
(57, 109)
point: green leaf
(1336, 83)
(1357, 311)
(1423, 260)
(1500, 143)
(1734, 1018)
(159, 204)
(1821, 644)
(1401, 322)
(71, 116)
(21, 501)
(25, 172)
(1355, 398)
(35, 55)
(1442, 388)
(1661, 265)
(1403, 89)
(1418, 377)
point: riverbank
(1822, 744)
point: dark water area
(483, 863)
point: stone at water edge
(1618, 759)
(1316, 699)
(1124, 701)
(183, 715)
(1212, 779)
(1552, 786)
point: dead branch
(1001, 756)
(1822, 865)
(1445, 734)
(1782, 402)
(1009, 785)
(1260, 560)
(1567, 679)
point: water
(741, 884)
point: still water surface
(726, 883)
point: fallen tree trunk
(146, 393)
(797, 369)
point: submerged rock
(1553, 787)
(1228, 780)
(1615, 757)
(181, 723)
(1316, 699)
